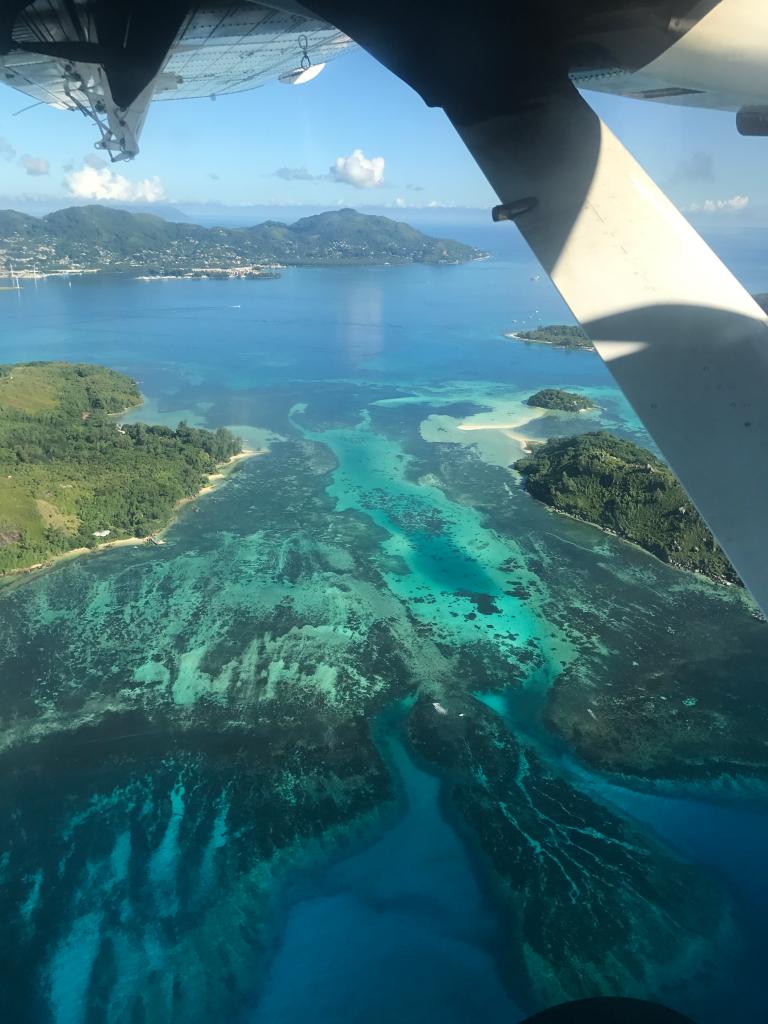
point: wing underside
(96, 59)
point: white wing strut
(686, 343)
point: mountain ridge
(102, 238)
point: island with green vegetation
(74, 477)
(558, 335)
(99, 238)
(627, 491)
(564, 401)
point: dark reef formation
(172, 839)
(675, 713)
(209, 721)
(542, 838)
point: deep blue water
(403, 922)
(401, 929)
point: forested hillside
(625, 489)
(564, 401)
(99, 238)
(559, 335)
(69, 472)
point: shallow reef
(188, 729)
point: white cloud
(359, 171)
(7, 152)
(399, 201)
(35, 165)
(732, 205)
(103, 183)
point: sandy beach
(215, 480)
(507, 430)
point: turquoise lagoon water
(210, 807)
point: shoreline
(513, 336)
(718, 581)
(269, 272)
(214, 481)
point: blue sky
(228, 152)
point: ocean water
(321, 756)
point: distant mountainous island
(626, 490)
(98, 238)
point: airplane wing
(685, 342)
(110, 60)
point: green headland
(73, 477)
(627, 491)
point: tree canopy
(565, 401)
(623, 488)
(561, 335)
(70, 471)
